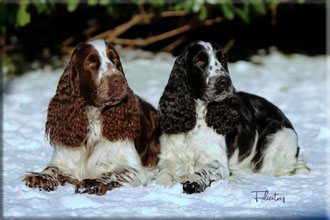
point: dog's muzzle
(112, 90)
(218, 88)
(222, 83)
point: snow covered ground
(297, 84)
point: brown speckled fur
(124, 116)
(122, 121)
(67, 122)
(133, 118)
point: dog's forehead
(101, 47)
(206, 45)
(210, 46)
(211, 51)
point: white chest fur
(97, 155)
(184, 154)
(94, 118)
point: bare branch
(174, 13)
(154, 39)
(175, 44)
(136, 19)
(113, 34)
(123, 27)
(229, 45)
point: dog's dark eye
(92, 64)
(113, 57)
(200, 63)
(222, 59)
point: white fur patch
(70, 161)
(99, 155)
(215, 67)
(280, 156)
(105, 62)
(183, 154)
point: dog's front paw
(41, 181)
(91, 186)
(64, 179)
(94, 186)
(192, 187)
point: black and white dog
(210, 131)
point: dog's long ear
(122, 122)
(67, 121)
(177, 105)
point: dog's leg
(111, 165)
(164, 177)
(65, 167)
(111, 180)
(169, 161)
(202, 178)
(280, 154)
(67, 179)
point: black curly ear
(224, 116)
(177, 104)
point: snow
(296, 83)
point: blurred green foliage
(15, 15)
(19, 15)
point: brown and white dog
(104, 136)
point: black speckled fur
(224, 116)
(238, 117)
(177, 105)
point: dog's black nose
(222, 82)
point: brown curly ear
(67, 121)
(122, 121)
